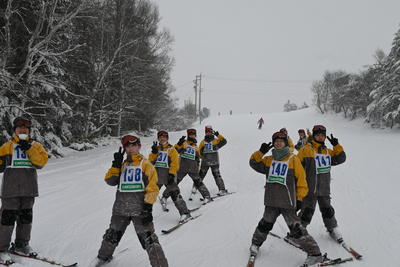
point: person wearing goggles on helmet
(208, 148)
(285, 188)
(165, 158)
(19, 160)
(189, 163)
(317, 160)
(136, 181)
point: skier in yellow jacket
(317, 160)
(19, 160)
(285, 188)
(165, 158)
(136, 181)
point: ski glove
(147, 216)
(265, 147)
(171, 178)
(216, 133)
(118, 158)
(180, 142)
(154, 148)
(299, 205)
(334, 141)
(24, 145)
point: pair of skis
(327, 262)
(39, 258)
(168, 231)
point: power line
(254, 80)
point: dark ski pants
(15, 210)
(196, 180)
(327, 211)
(297, 231)
(215, 173)
(148, 239)
(175, 193)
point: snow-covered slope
(74, 206)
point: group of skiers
(295, 183)
(138, 181)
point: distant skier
(137, 190)
(260, 123)
(290, 141)
(209, 156)
(189, 163)
(317, 160)
(302, 139)
(19, 159)
(285, 188)
(165, 158)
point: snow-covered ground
(74, 206)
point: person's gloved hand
(118, 158)
(171, 178)
(216, 133)
(154, 148)
(334, 141)
(181, 140)
(147, 216)
(24, 145)
(265, 147)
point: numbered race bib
(189, 153)
(323, 163)
(20, 159)
(131, 179)
(278, 172)
(162, 160)
(208, 148)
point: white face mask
(23, 136)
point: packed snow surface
(74, 207)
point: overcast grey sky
(247, 49)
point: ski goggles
(162, 133)
(20, 122)
(130, 140)
(191, 131)
(317, 129)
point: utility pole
(195, 94)
(199, 76)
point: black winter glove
(147, 216)
(299, 205)
(171, 178)
(180, 142)
(265, 147)
(154, 148)
(118, 158)
(24, 145)
(216, 133)
(192, 140)
(334, 141)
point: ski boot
(185, 217)
(313, 260)
(222, 192)
(97, 262)
(336, 235)
(5, 258)
(23, 249)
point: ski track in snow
(74, 207)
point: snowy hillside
(74, 207)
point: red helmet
(21, 122)
(130, 140)
(208, 129)
(162, 133)
(318, 129)
(191, 131)
(280, 135)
